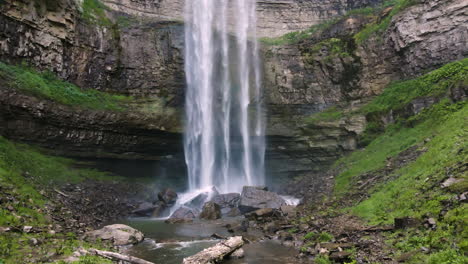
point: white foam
(291, 200)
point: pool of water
(171, 243)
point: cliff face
(275, 17)
(138, 50)
(142, 58)
(333, 67)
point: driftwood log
(216, 253)
(114, 256)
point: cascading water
(224, 137)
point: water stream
(170, 243)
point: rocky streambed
(174, 227)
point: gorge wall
(333, 68)
(136, 48)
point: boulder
(234, 212)
(211, 211)
(288, 209)
(238, 254)
(168, 196)
(199, 200)
(149, 209)
(160, 209)
(185, 213)
(119, 234)
(227, 200)
(253, 198)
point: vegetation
(297, 36)
(435, 83)
(23, 172)
(46, 85)
(318, 237)
(94, 12)
(330, 114)
(414, 190)
(380, 25)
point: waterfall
(224, 134)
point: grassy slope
(415, 190)
(46, 85)
(24, 171)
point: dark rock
(211, 211)
(199, 200)
(168, 196)
(160, 209)
(285, 236)
(185, 213)
(406, 222)
(233, 212)
(144, 209)
(253, 198)
(33, 242)
(261, 213)
(227, 200)
(271, 227)
(340, 256)
(217, 236)
(288, 209)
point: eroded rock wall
(142, 58)
(332, 69)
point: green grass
(19, 161)
(329, 115)
(94, 12)
(297, 36)
(46, 85)
(337, 48)
(322, 260)
(445, 150)
(435, 83)
(24, 171)
(319, 237)
(380, 26)
(414, 190)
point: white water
(224, 136)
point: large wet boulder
(253, 198)
(211, 211)
(185, 213)
(119, 234)
(227, 200)
(147, 209)
(199, 200)
(168, 196)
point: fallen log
(114, 256)
(216, 253)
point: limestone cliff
(334, 67)
(136, 48)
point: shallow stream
(170, 243)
